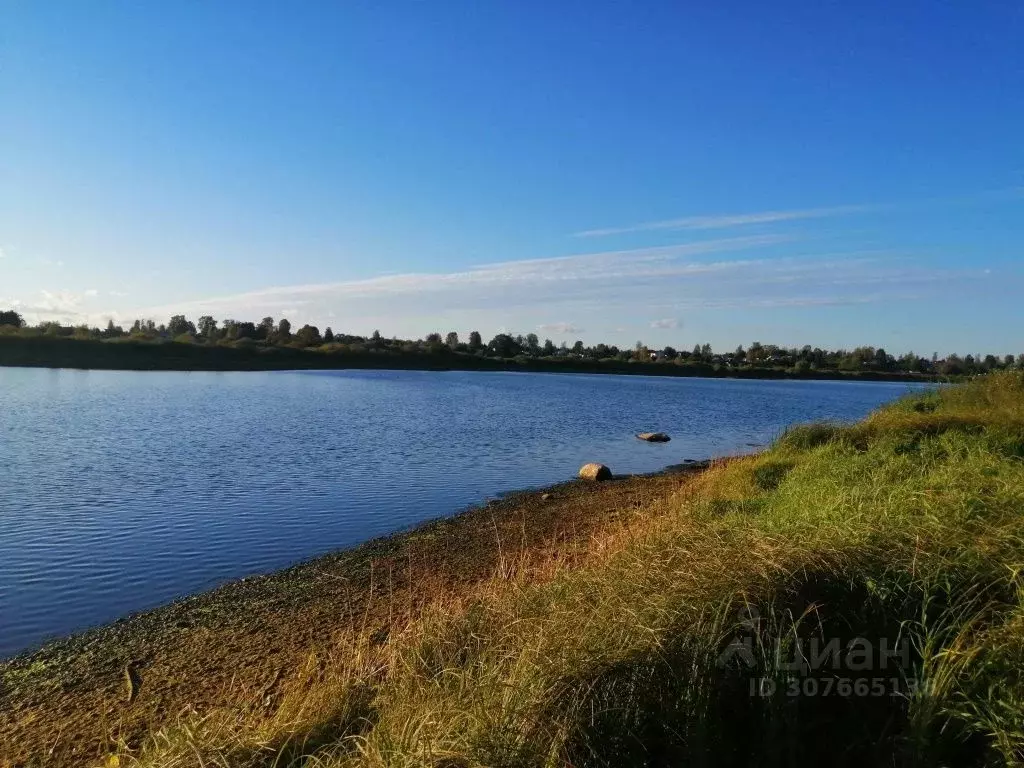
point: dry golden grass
(614, 646)
(220, 663)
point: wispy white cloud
(600, 289)
(559, 328)
(724, 221)
(665, 323)
(61, 306)
(793, 301)
(535, 275)
(729, 220)
(603, 291)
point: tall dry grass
(653, 645)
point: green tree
(308, 336)
(112, 331)
(179, 324)
(284, 332)
(952, 366)
(549, 348)
(328, 335)
(476, 343)
(207, 327)
(532, 344)
(245, 330)
(10, 317)
(452, 340)
(755, 353)
(434, 343)
(503, 345)
(265, 329)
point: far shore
(201, 651)
(173, 356)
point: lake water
(123, 490)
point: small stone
(654, 437)
(595, 472)
(545, 496)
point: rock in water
(595, 472)
(654, 437)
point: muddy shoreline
(69, 698)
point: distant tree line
(268, 333)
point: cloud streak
(726, 221)
(559, 328)
(602, 291)
(61, 306)
(536, 275)
(664, 324)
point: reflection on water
(123, 490)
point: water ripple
(124, 490)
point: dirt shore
(68, 702)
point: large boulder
(654, 437)
(595, 472)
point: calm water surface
(123, 490)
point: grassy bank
(850, 596)
(233, 651)
(138, 355)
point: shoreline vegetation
(215, 649)
(232, 345)
(852, 595)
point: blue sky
(826, 173)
